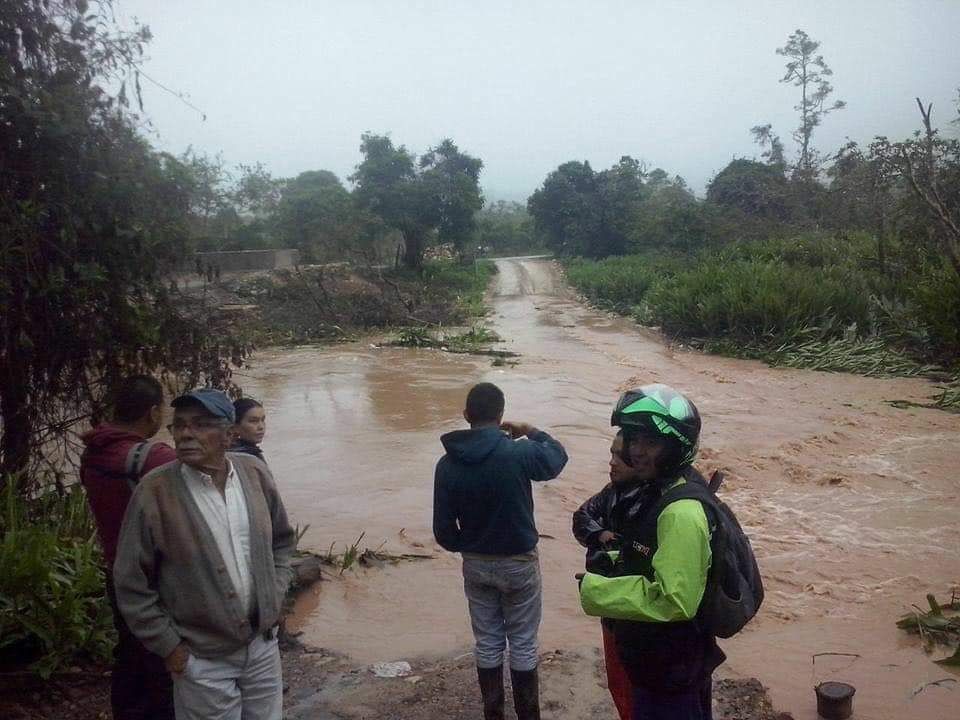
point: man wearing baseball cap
(203, 567)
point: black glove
(600, 563)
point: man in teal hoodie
(483, 509)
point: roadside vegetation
(338, 301)
(53, 612)
(848, 261)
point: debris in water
(400, 668)
(942, 682)
(936, 627)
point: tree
(439, 195)
(451, 182)
(620, 190)
(808, 71)
(862, 193)
(669, 218)
(91, 221)
(930, 164)
(773, 153)
(756, 189)
(564, 209)
(257, 193)
(505, 227)
(581, 212)
(314, 215)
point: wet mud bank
(850, 501)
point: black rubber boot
(491, 691)
(526, 693)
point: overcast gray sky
(528, 85)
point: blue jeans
(693, 704)
(504, 595)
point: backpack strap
(688, 491)
(716, 480)
(136, 459)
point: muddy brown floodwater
(851, 503)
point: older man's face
(201, 439)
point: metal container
(835, 700)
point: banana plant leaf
(952, 661)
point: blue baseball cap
(213, 401)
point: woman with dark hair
(251, 426)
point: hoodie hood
(104, 436)
(472, 446)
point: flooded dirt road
(851, 503)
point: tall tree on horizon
(807, 70)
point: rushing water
(850, 502)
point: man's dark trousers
(141, 688)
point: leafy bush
(52, 606)
(459, 285)
(936, 295)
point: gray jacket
(171, 581)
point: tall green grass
(816, 301)
(53, 611)
(756, 301)
(621, 283)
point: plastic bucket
(834, 700)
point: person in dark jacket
(116, 456)
(598, 525)
(483, 509)
(653, 588)
(250, 428)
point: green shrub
(52, 606)
(936, 295)
(464, 286)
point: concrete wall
(240, 260)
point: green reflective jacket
(680, 567)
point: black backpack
(734, 589)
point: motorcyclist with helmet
(648, 591)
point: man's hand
(606, 537)
(176, 661)
(517, 429)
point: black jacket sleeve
(589, 520)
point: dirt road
(850, 501)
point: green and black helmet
(664, 412)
